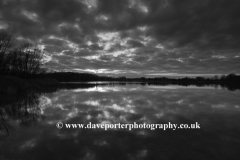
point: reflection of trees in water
(25, 110)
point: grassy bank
(14, 85)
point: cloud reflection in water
(216, 110)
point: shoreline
(13, 85)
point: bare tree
(6, 44)
(22, 61)
(32, 61)
(27, 60)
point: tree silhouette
(6, 44)
(21, 61)
(26, 60)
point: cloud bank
(130, 37)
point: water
(28, 126)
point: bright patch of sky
(3, 25)
(73, 46)
(30, 15)
(102, 18)
(91, 4)
(137, 4)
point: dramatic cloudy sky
(130, 37)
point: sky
(130, 38)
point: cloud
(186, 36)
(134, 43)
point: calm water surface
(28, 127)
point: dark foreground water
(28, 126)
